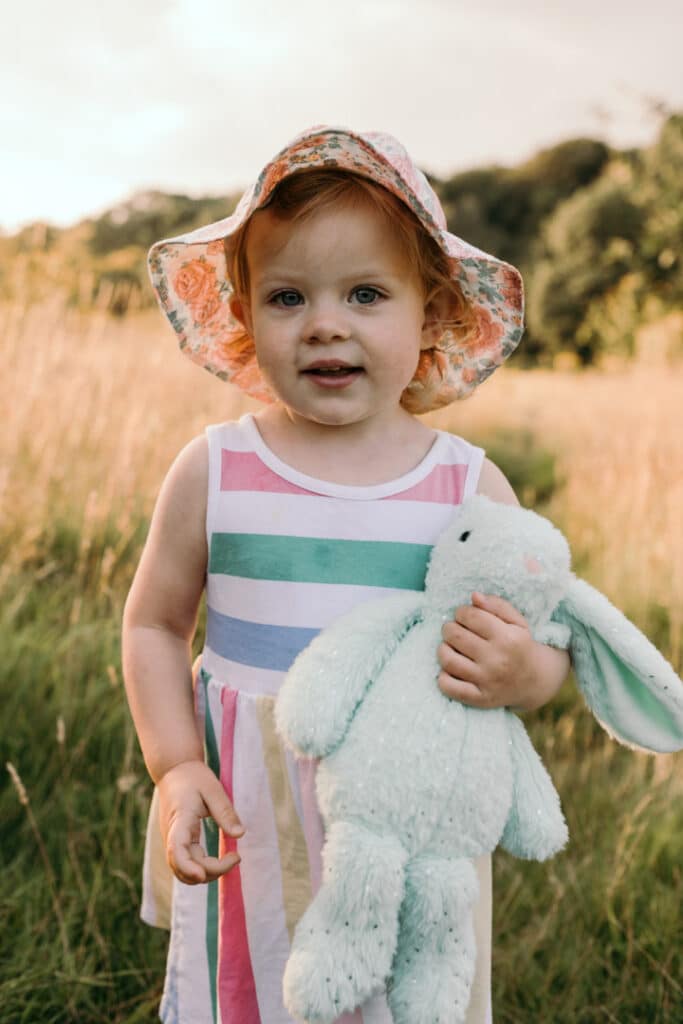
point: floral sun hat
(190, 276)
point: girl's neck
(355, 454)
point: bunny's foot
(344, 943)
(435, 958)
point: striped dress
(287, 555)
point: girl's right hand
(189, 792)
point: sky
(100, 100)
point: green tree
(659, 191)
(584, 250)
(608, 258)
(501, 209)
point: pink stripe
(236, 987)
(244, 471)
(445, 485)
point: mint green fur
(413, 786)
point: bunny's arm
(329, 678)
(535, 828)
(628, 685)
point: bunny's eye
(465, 535)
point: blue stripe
(255, 644)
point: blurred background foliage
(596, 232)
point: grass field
(94, 411)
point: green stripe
(320, 560)
(211, 838)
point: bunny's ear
(631, 689)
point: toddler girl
(337, 296)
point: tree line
(597, 233)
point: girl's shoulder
(495, 485)
(189, 470)
(181, 504)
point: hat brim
(190, 276)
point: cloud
(197, 94)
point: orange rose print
(273, 177)
(206, 308)
(486, 336)
(512, 288)
(192, 280)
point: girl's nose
(325, 324)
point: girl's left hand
(489, 658)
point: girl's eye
(287, 298)
(365, 295)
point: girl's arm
(159, 620)
(488, 655)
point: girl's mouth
(331, 375)
(332, 371)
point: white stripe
(293, 515)
(476, 461)
(241, 677)
(284, 603)
(214, 708)
(187, 954)
(157, 877)
(149, 911)
(260, 866)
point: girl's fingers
(456, 664)
(182, 834)
(499, 607)
(185, 800)
(192, 865)
(460, 689)
(214, 867)
(221, 810)
(481, 622)
(183, 864)
(463, 640)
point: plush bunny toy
(413, 785)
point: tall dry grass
(95, 410)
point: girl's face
(336, 313)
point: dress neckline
(334, 490)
